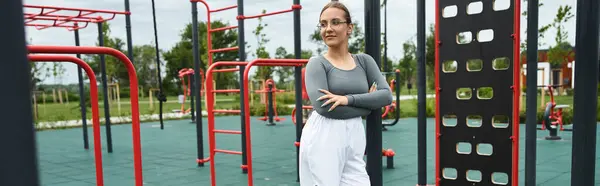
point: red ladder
(210, 62)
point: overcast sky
(172, 15)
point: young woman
(342, 87)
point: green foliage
(263, 72)
(558, 54)
(408, 63)
(181, 56)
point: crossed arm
(355, 105)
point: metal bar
(82, 97)
(223, 9)
(105, 96)
(223, 28)
(227, 111)
(243, 87)
(227, 131)
(227, 70)
(267, 14)
(76, 9)
(531, 115)
(196, 91)
(586, 86)
(93, 99)
(374, 122)
(133, 86)
(226, 91)
(161, 97)
(223, 49)
(298, 84)
(421, 96)
(516, 88)
(19, 155)
(228, 151)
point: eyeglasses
(334, 23)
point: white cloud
(172, 15)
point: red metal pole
(135, 113)
(516, 92)
(94, 100)
(260, 62)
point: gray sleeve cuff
(350, 100)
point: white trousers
(332, 151)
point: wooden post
(60, 99)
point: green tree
(541, 31)
(263, 72)
(180, 56)
(558, 53)
(286, 74)
(408, 63)
(115, 70)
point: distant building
(547, 76)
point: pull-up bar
(55, 14)
(294, 7)
(93, 100)
(63, 15)
(133, 80)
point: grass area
(51, 112)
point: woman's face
(334, 27)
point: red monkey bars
(94, 102)
(135, 114)
(211, 111)
(61, 16)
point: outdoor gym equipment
(43, 17)
(552, 118)
(394, 84)
(93, 100)
(242, 58)
(183, 73)
(269, 90)
(245, 132)
(135, 113)
(492, 36)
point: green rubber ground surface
(169, 155)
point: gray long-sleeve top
(354, 84)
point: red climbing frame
(135, 113)
(211, 111)
(42, 17)
(94, 100)
(259, 62)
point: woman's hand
(335, 99)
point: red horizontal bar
(76, 9)
(223, 28)
(227, 131)
(227, 70)
(228, 151)
(202, 160)
(270, 13)
(228, 111)
(226, 91)
(223, 49)
(44, 26)
(224, 8)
